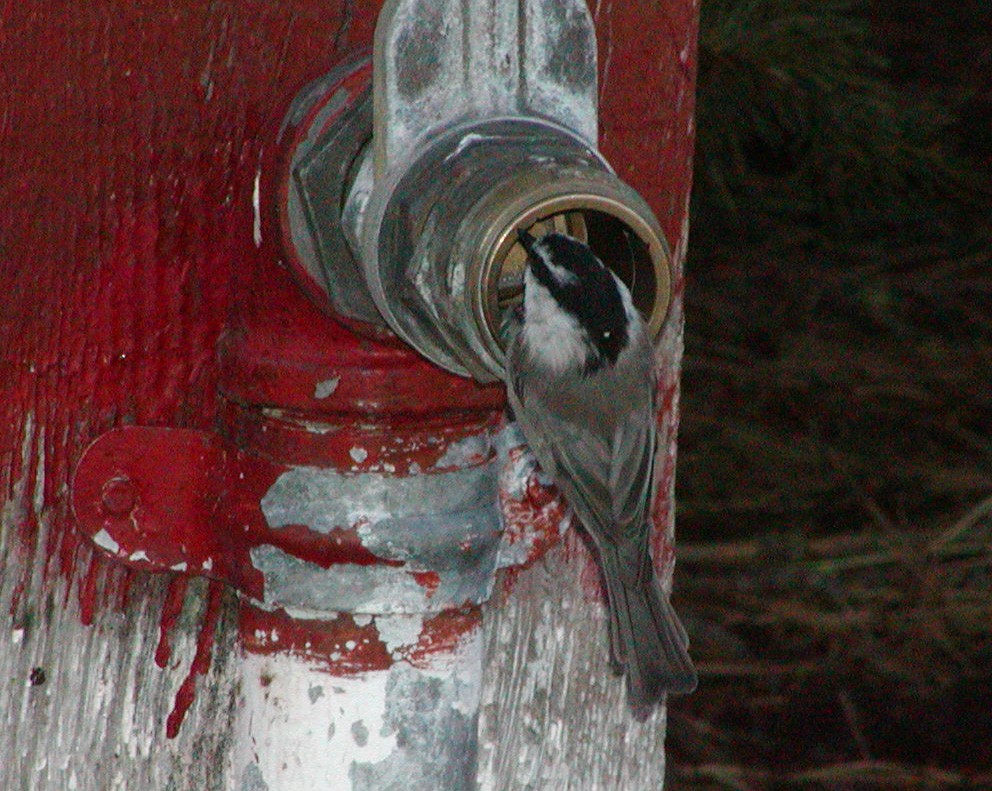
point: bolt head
(119, 496)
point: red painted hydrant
(358, 484)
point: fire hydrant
(363, 487)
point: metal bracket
(315, 539)
(442, 62)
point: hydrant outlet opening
(619, 236)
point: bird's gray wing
(605, 475)
(632, 481)
(580, 461)
(576, 459)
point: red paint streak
(340, 545)
(442, 634)
(201, 660)
(172, 608)
(122, 588)
(428, 580)
(87, 589)
(341, 645)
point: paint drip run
(201, 659)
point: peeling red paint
(346, 648)
(428, 580)
(443, 634)
(534, 516)
(341, 645)
(172, 608)
(193, 506)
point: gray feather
(595, 436)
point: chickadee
(581, 382)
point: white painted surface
(301, 728)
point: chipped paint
(106, 541)
(446, 523)
(256, 229)
(403, 726)
(400, 632)
(326, 388)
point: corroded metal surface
(441, 62)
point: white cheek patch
(561, 275)
(554, 338)
(635, 322)
(626, 299)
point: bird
(581, 385)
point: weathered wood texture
(130, 133)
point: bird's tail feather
(649, 642)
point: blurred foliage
(835, 467)
(798, 122)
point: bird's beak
(527, 240)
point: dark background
(835, 470)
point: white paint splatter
(256, 197)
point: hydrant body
(172, 394)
